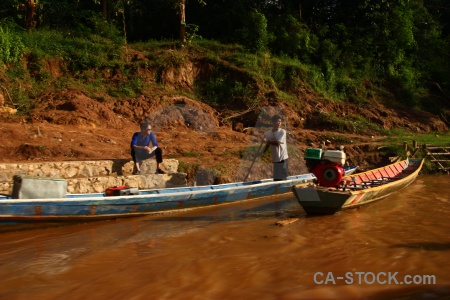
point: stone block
(95, 176)
(86, 171)
(70, 172)
(148, 166)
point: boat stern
(315, 201)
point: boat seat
(379, 181)
(386, 178)
(352, 185)
(374, 182)
(354, 188)
(368, 183)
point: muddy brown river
(397, 248)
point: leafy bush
(190, 170)
(11, 46)
(220, 91)
(254, 35)
(294, 39)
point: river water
(237, 252)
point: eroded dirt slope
(71, 126)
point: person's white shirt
(279, 152)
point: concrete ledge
(99, 184)
(95, 176)
(81, 169)
(149, 166)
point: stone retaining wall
(95, 176)
(150, 181)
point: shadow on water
(275, 209)
(13, 227)
(435, 292)
(419, 292)
(429, 246)
(271, 207)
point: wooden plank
(286, 222)
(437, 157)
(437, 148)
(440, 165)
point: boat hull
(320, 200)
(98, 206)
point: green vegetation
(398, 137)
(190, 154)
(187, 168)
(11, 46)
(348, 123)
(337, 139)
(249, 51)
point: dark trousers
(139, 156)
(280, 170)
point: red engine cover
(117, 190)
(328, 174)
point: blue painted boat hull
(99, 206)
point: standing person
(143, 146)
(276, 141)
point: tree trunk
(29, 8)
(183, 20)
(300, 9)
(104, 10)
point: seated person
(143, 146)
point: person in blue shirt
(143, 146)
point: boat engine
(326, 165)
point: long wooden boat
(100, 206)
(357, 189)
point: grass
(234, 153)
(191, 154)
(398, 136)
(190, 170)
(337, 139)
(349, 123)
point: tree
(183, 21)
(29, 20)
(104, 9)
(254, 33)
(182, 12)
